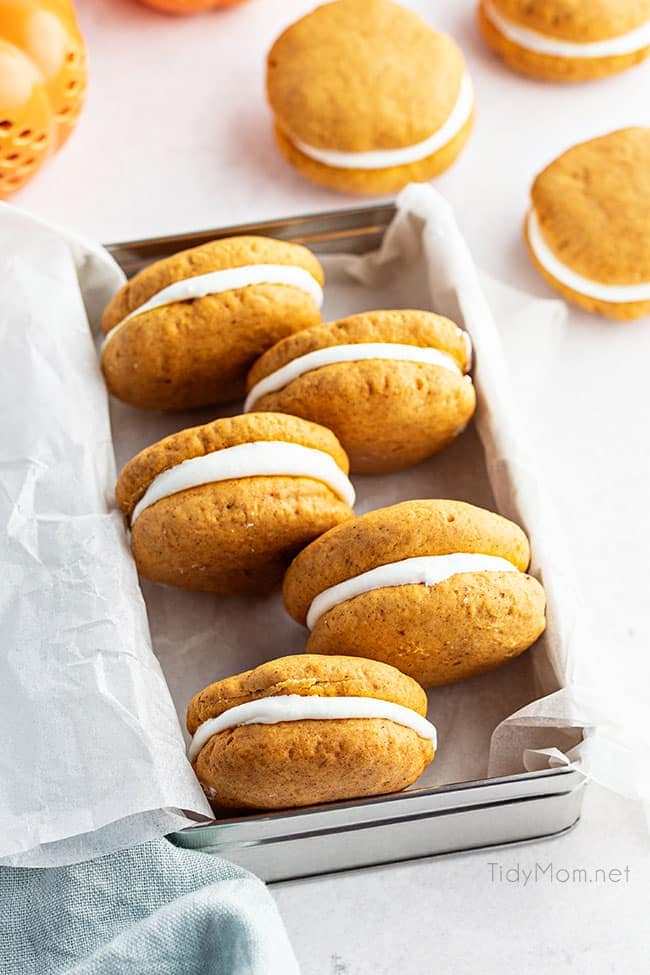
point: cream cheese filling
(427, 570)
(262, 458)
(532, 40)
(229, 279)
(355, 352)
(295, 707)
(386, 158)
(615, 293)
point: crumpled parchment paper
(92, 752)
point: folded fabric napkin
(151, 909)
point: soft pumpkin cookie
(588, 229)
(306, 729)
(567, 40)
(224, 507)
(436, 588)
(184, 331)
(390, 384)
(367, 97)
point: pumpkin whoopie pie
(588, 228)
(306, 729)
(390, 384)
(435, 588)
(367, 97)
(184, 331)
(567, 40)
(224, 507)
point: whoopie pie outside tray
(367, 97)
(436, 588)
(588, 229)
(390, 384)
(224, 507)
(184, 331)
(567, 40)
(306, 729)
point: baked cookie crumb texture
(436, 588)
(184, 331)
(391, 385)
(567, 40)
(366, 97)
(306, 729)
(224, 507)
(588, 230)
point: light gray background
(176, 136)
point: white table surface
(176, 136)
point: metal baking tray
(421, 822)
(406, 826)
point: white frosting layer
(532, 40)
(385, 158)
(294, 707)
(426, 570)
(347, 353)
(585, 286)
(216, 282)
(260, 459)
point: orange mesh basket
(42, 85)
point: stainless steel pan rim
(358, 230)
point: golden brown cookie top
(218, 255)
(581, 21)
(401, 531)
(136, 476)
(409, 327)
(361, 75)
(307, 674)
(593, 207)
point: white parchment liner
(92, 753)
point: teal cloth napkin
(152, 909)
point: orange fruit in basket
(189, 6)
(42, 85)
